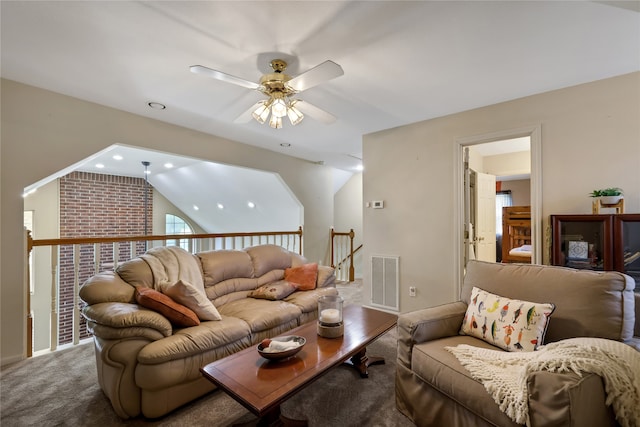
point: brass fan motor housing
(276, 81)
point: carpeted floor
(60, 389)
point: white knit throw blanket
(504, 374)
(170, 264)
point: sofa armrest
(427, 325)
(116, 320)
(107, 286)
(568, 399)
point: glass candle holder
(330, 323)
(330, 310)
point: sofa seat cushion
(189, 341)
(307, 301)
(261, 314)
(161, 376)
(442, 371)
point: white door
(485, 221)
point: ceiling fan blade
(219, 75)
(319, 74)
(247, 116)
(315, 112)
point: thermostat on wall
(378, 204)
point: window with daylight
(176, 225)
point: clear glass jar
(330, 310)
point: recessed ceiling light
(359, 168)
(251, 205)
(285, 144)
(168, 165)
(220, 206)
(117, 157)
(99, 165)
(156, 105)
(196, 208)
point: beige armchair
(434, 389)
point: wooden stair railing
(76, 251)
(339, 253)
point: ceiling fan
(280, 88)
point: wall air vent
(384, 282)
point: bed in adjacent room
(516, 234)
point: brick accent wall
(97, 205)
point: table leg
(361, 362)
(274, 418)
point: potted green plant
(608, 196)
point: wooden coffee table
(262, 386)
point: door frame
(534, 132)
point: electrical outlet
(412, 291)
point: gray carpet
(60, 389)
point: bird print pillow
(510, 324)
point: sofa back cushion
(268, 257)
(588, 303)
(136, 272)
(221, 265)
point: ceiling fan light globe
(279, 108)
(295, 116)
(261, 113)
(275, 122)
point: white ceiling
(403, 61)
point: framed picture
(578, 250)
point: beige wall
(45, 204)
(590, 139)
(520, 191)
(348, 205)
(43, 132)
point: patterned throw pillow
(304, 276)
(178, 314)
(274, 291)
(510, 324)
(187, 294)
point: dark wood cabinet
(626, 245)
(597, 242)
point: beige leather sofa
(145, 365)
(434, 389)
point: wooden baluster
(96, 258)
(75, 314)
(55, 256)
(29, 245)
(352, 273)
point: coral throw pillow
(304, 277)
(274, 291)
(178, 314)
(187, 294)
(510, 324)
